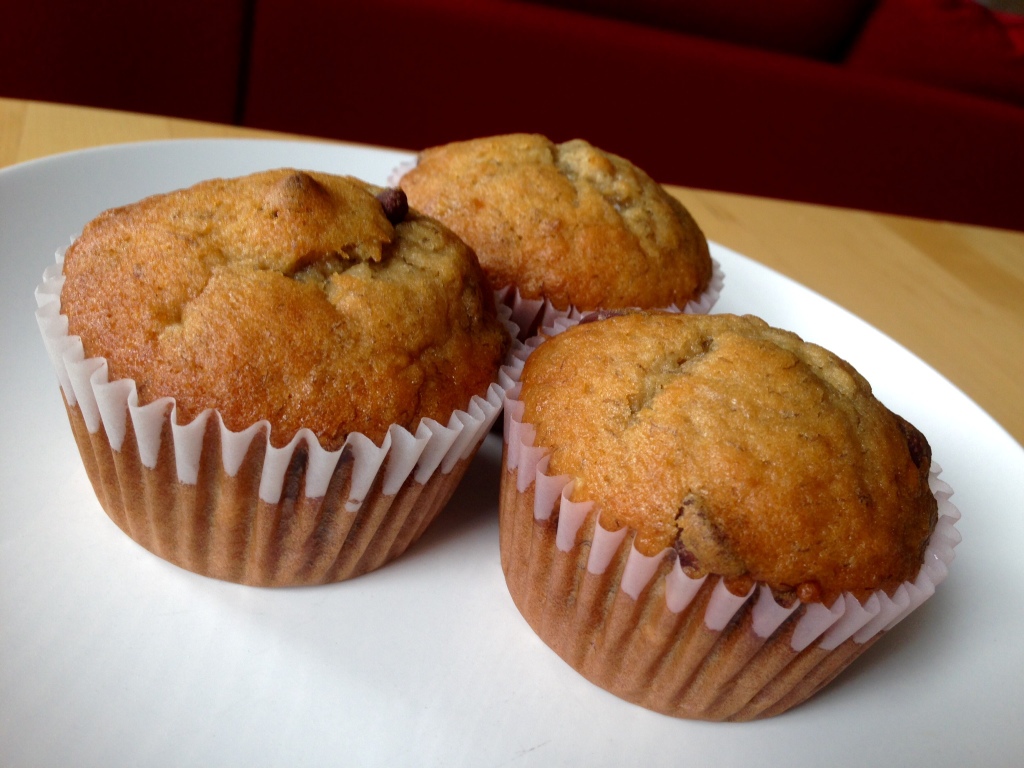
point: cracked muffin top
(566, 222)
(301, 298)
(752, 454)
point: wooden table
(952, 294)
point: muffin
(565, 226)
(276, 379)
(710, 517)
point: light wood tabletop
(950, 293)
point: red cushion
(816, 28)
(179, 58)
(412, 73)
(955, 44)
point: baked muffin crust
(287, 296)
(754, 455)
(566, 222)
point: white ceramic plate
(112, 657)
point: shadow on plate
(473, 506)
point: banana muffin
(287, 296)
(718, 453)
(316, 309)
(567, 223)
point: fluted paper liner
(230, 504)
(532, 314)
(640, 628)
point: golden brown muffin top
(566, 222)
(287, 296)
(755, 455)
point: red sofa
(905, 106)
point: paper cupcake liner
(533, 314)
(230, 504)
(400, 170)
(640, 628)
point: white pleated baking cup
(639, 627)
(533, 314)
(231, 505)
(395, 177)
